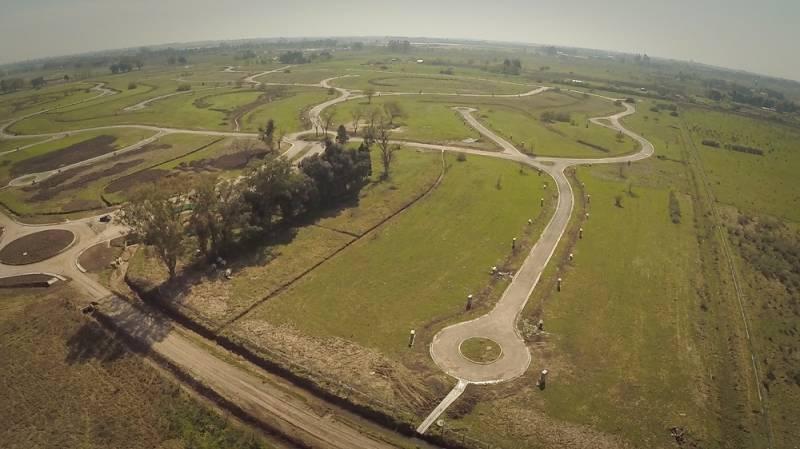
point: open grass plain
(675, 323)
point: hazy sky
(756, 35)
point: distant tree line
(398, 46)
(719, 90)
(222, 214)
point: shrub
(674, 208)
(710, 143)
(132, 85)
(461, 157)
(184, 87)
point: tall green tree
(341, 135)
(154, 216)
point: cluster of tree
(508, 67)
(223, 214)
(642, 59)
(293, 57)
(177, 59)
(398, 46)
(733, 147)
(719, 90)
(11, 84)
(552, 117)
(245, 54)
(38, 82)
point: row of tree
(224, 214)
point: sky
(760, 36)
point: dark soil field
(51, 187)
(80, 151)
(134, 179)
(98, 257)
(35, 247)
(25, 280)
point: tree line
(220, 214)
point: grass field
(288, 111)
(761, 184)
(203, 108)
(214, 301)
(27, 102)
(68, 384)
(415, 268)
(423, 119)
(13, 144)
(433, 83)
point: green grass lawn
(758, 184)
(12, 144)
(432, 83)
(424, 119)
(417, 267)
(26, 102)
(522, 125)
(288, 112)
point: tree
(341, 135)
(268, 134)
(218, 212)
(38, 83)
(154, 216)
(392, 110)
(337, 172)
(369, 93)
(266, 188)
(326, 118)
(11, 84)
(281, 135)
(356, 114)
(373, 115)
(387, 149)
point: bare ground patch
(36, 247)
(72, 154)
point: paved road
(500, 324)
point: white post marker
(469, 302)
(411, 338)
(571, 256)
(541, 202)
(542, 379)
(559, 284)
(580, 233)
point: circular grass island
(480, 350)
(36, 247)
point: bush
(674, 208)
(550, 117)
(184, 87)
(710, 143)
(462, 157)
(132, 85)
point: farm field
(86, 187)
(68, 369)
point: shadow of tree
(140, 327)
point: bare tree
(386, 148)
(373, 115)
(326, 118)
(392, 111)
(281, 135)
(369, 93)
(356, 115)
